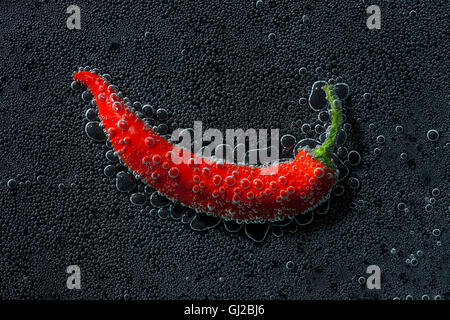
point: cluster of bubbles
(424, 297)
(156, 204)
(21, 181)
(412, 260)
(430, 201)
(401, 206)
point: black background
(213, 61)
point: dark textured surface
(215, 62)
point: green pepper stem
(323, 152)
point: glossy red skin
(293, 187)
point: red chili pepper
(239, 192)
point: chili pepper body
(231, 191)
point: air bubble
(367, 96)
(306, 19)
(436, 232)
(317, 98)
(138, 199)
(399, 129)
(342, 152)
(125, 182)
(319, 172)
(288, 141)
(122, 125)
(306, 128)
(162, 114)
(91, 114)
(435, 192)
(354, 158)
(323, 116)
(338, 190)
(109, 171)
(87, 96)
(148, 111)
(342, 90)
(302, 101)
(95, 131)
(347, 126)
(353, 183)
(11, 184)
(112, 156)
(319, 129)
(433, 135)
(290, 265)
